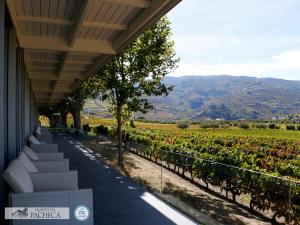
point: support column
(64, 110)
(64, 119)
(12, 96)
(55, 121)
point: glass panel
(212, 192)
(209, 192)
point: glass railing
(213, 192)
(208, 191)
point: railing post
(290, 201)
(161, 174)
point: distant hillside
(224, 97)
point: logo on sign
(82, 213)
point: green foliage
(209, 124)
(86, 127)
(220, 111)
(273, 126)
(131, 124)
(101, 130)
(261, 126)
(183, 124)
(244, 125)
(112, 131)
(136, 73)
(290, 127)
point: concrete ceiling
(65, 41)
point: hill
(223, 97)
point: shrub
(273, 126)
(225, 126)
(131, 124)
(209, 124)
(112, 131)
(244, 125)
(235, 124)
(101, 130)
(261, 126)
(86, 127)
(290, 127)
(183, 124)
(298, 127)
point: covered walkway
(47, 50)
(117, 199)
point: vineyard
(255, 163)
(263, 164)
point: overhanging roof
(65, 41)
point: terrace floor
(117, 199)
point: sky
(258, 38)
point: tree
(137, 73)
(182, 124)
(74, 104)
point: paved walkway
(117, 199)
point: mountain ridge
(226, 97)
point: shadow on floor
(117, 199)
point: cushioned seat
(43, 135)
(17, 178)
(40, 147)
(29, 166)
(33, 140)
(35, 156)
(43, 166)
(21, 181)
(46, 190)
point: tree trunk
(233, 196)
(51, 122)
(119, 133)
(76, 116)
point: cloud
(277, 66)
(237, 37)
(288, 59)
